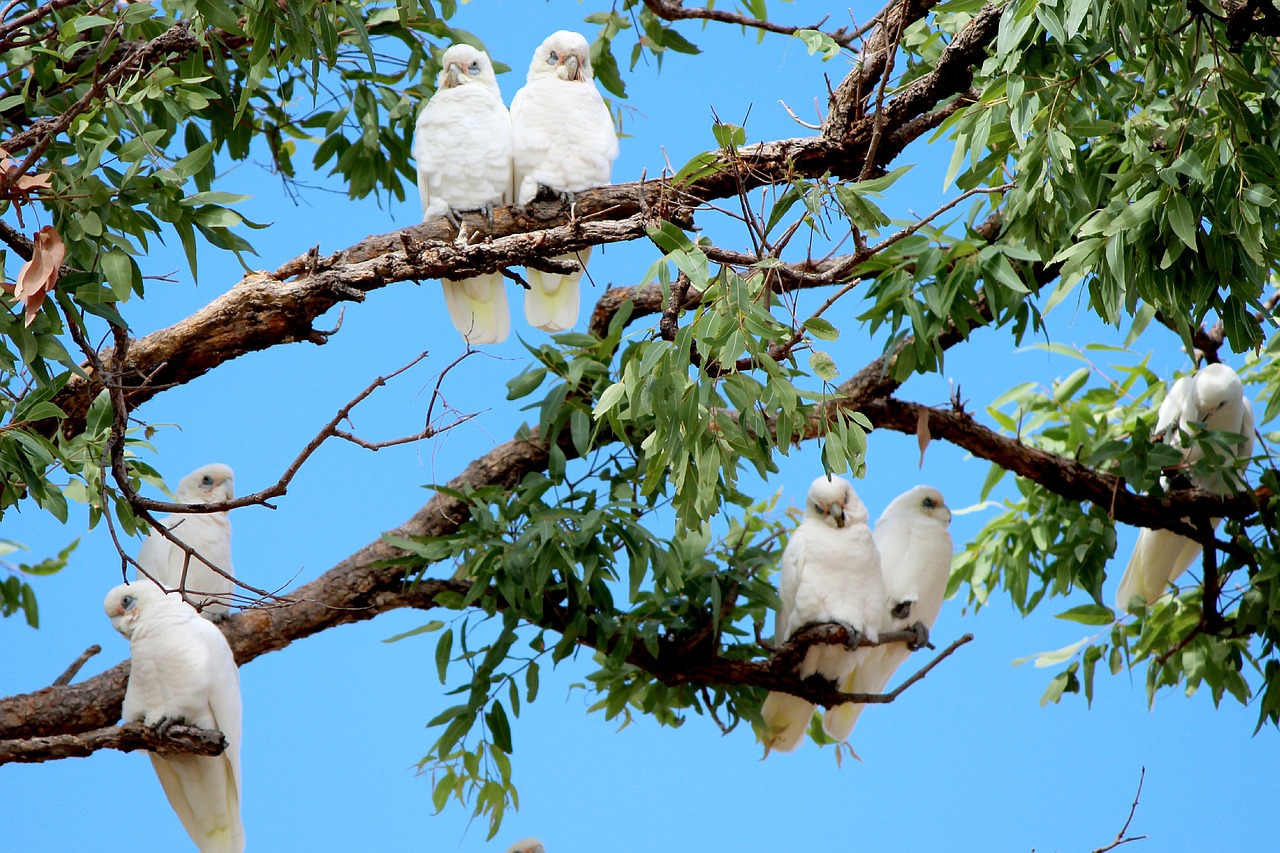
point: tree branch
(1065, 476)
(674, 10)
(176, 740)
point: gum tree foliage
(1121, 155)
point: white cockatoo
(1214, 397)
(527, 845)
(562, 138)
(462, 145)
(183, 671)
(208, 534)
(830, 573)
(915, 561)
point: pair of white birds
(836, 569)
(181, 668)
(1214, 398)
(472, 154)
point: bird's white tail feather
(551, 303)
(786, 718)
(1158, 557)
(838, 722)
(478, 308)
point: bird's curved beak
(452, 75)
(837, 514)
(572, 66)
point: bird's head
(527, 845)
(1216, 387)
(834, 502)
(565, 55)
(125, 604)
(926, 501)
(463, 65)
(207, 484)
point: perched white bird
(562, 138)
(208, 534)
(915, 560)
(462, 145)
(527, 845)
(182, 671)
(830, 573)
(1214, 397)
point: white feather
(208, 534)
(1213, 396)
(830, 573)
(562, 138)
(462, 145)
(915, 558)
(181, 669)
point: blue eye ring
(206, 480)
(929, 503)
(553, 59)
(127, 602)
(474, 68)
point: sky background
(335, 724)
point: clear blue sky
(965, 760)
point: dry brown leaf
(923, 436)
(38, 275)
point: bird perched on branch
(183, 671)
(830, 573)
(1213, 397)
(462, 145)
(563, 139)
(915, 561)
(207, 534)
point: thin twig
(1122, 837)
(76, 665)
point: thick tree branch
(269, 309)
(1064, 476)
(178, 739)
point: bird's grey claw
(855, 636)
(922, 638)
(163, 725)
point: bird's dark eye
(127, 602)
(473, 69)
(930, 503)
(206, 480)
(820, 509)
(552, 59)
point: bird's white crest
(209, 534)
(562, 138)
(915, 549)
(527, 845)
(462, 146)
(830, 573)
(1214, 397)
(182, 670)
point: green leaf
(444, 649)
(1087, 614)
(823, 366)
(821, 329)
(434, 625)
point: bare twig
(675, 10)
(1123, 837)
(76, 665)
